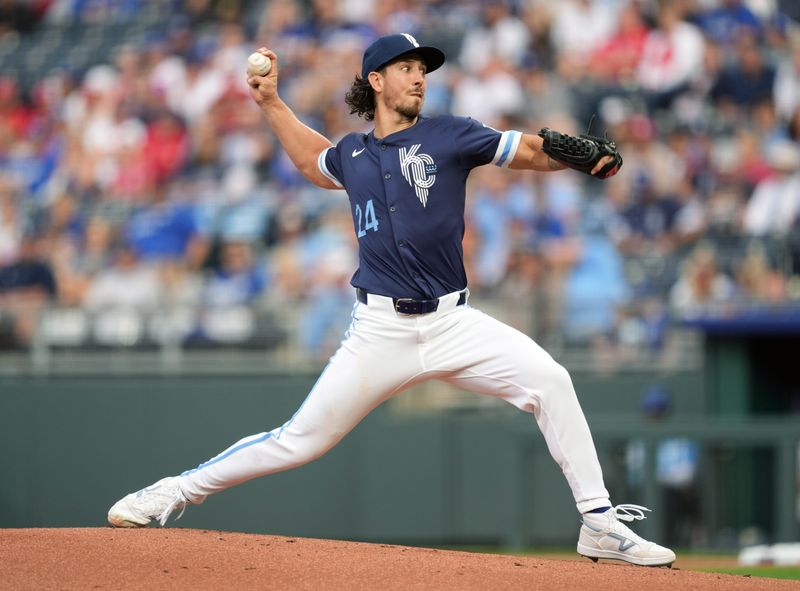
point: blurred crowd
(143, 198)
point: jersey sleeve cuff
(507, 148)
(323, 168)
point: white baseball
(258, 64)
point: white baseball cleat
(157, 502)
(603, 535)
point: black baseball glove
(581, 153)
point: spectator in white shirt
(775, 202)
(501, 35)
(126, 284)
(672, 57)
(786, 92)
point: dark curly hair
(361, 98)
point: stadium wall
(72, 445)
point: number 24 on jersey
(366, 220)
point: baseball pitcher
(405, 181)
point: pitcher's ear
(375, 81)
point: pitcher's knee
(555, 380)
(562, 377)
(306, 449)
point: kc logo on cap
(390, 47)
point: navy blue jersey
(407, 195)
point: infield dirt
(155, 559)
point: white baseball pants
(382, 354)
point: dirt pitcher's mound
(157, 559)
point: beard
(409, 111)
(407, 107)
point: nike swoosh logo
(357, 152)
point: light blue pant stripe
(260, 439)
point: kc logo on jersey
(419, 170)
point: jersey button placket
(387, 160)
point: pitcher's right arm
(301, 143)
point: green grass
(693, 560)
(772, 572)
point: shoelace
(178, 500)
(630, 512)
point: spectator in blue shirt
(726, 22)
(166, 230)
(238, 281)
(596, 286)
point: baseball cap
(390, 47)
